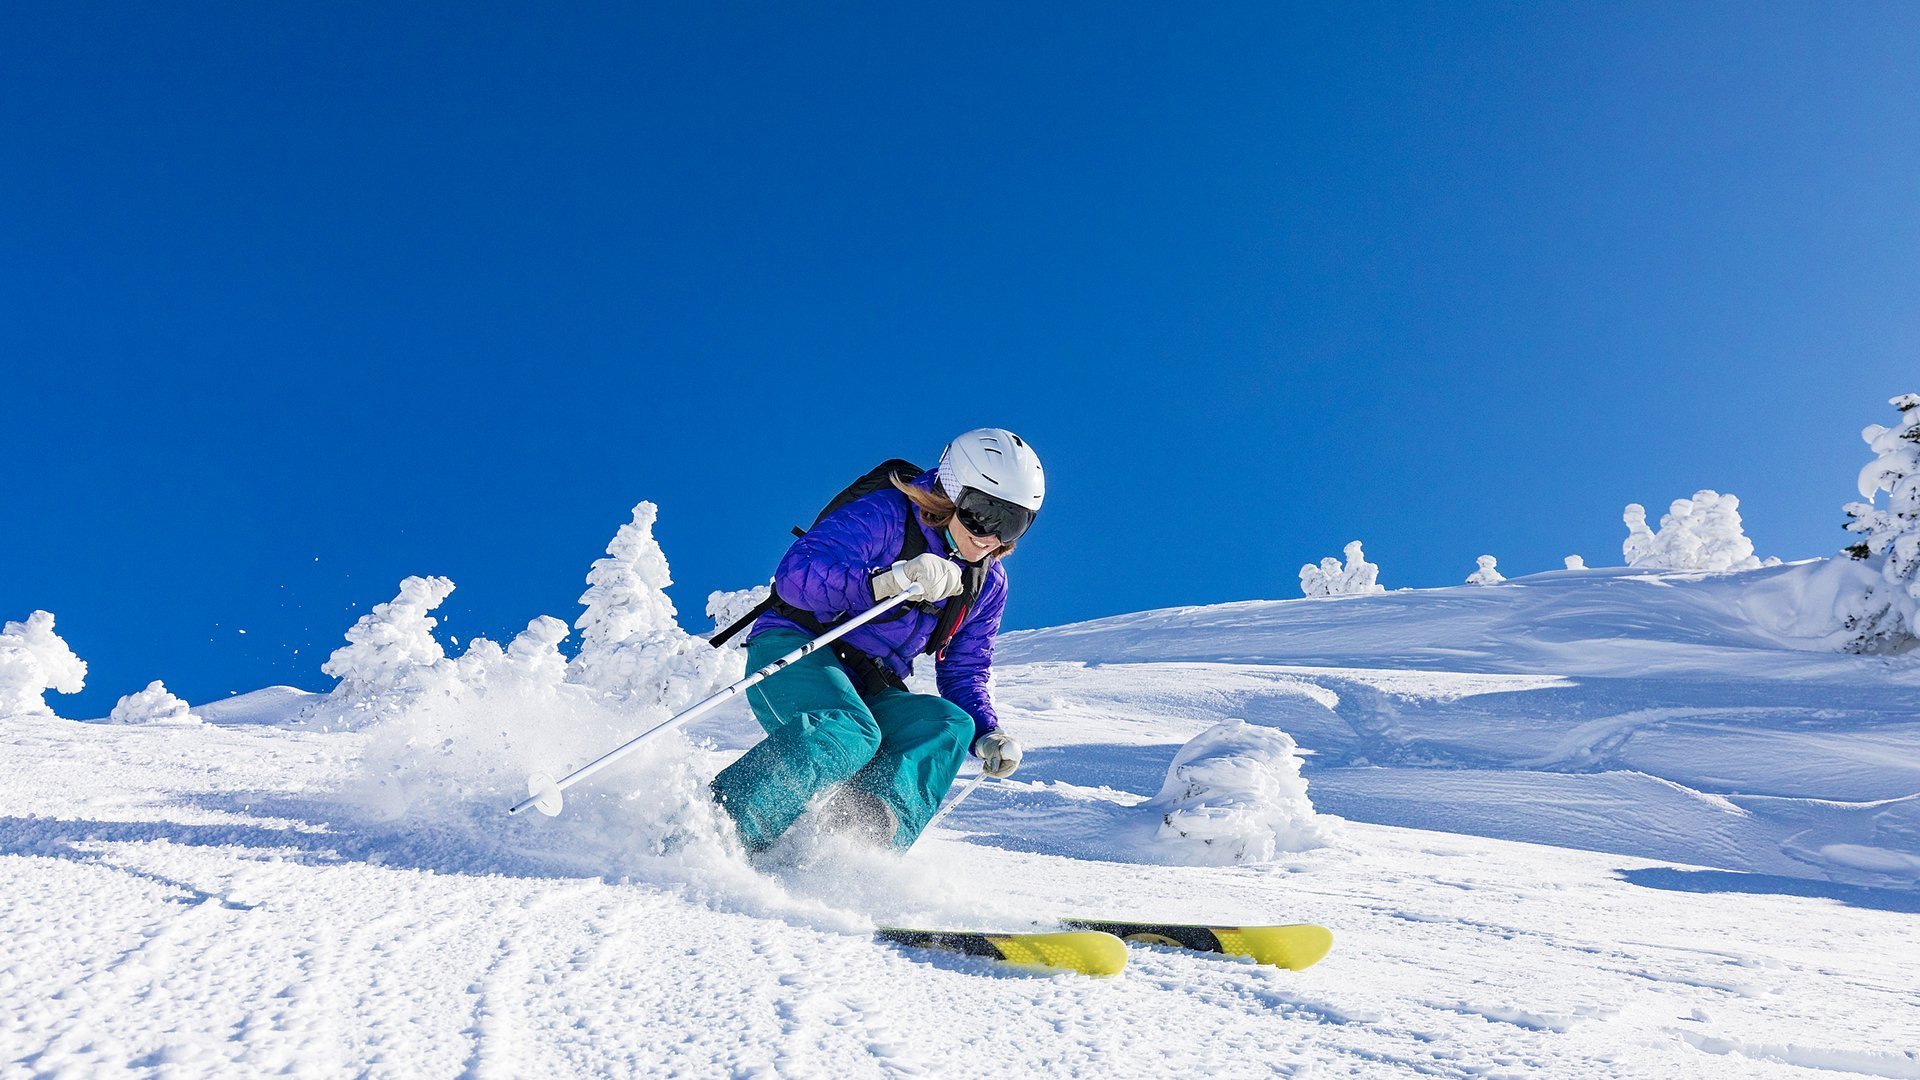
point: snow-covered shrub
(1575, 562)
(1234, 794)
(33, 660)
(1357, 578)
(1486, 574)
(390, 647)
(154, 705)
(724, 608)
(1701, 533)
(631, 646)
(1885, 616)
(532, 660)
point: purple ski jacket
(829, 572)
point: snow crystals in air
(33, 660)
(1357, 577)
(1234, 794)
(154, 705)
(1701, 533)
(1486, 574)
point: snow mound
(154, 705)
(1486, 574)
(33, 660)
(1234, 794)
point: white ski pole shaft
(956, 801)
(544, 791)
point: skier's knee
(866, 735)
(956, 726)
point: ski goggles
(988, 515)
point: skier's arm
(830, 569)
(962, 673)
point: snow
(154, 705)
(33, 660)
(1617, 823)
(1356, 577)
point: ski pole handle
(544, 791)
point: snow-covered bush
(1701, 533)
(1575, 562)
(531, 661)
(725, 607)
(1234, 794)
(33, 660)
(631, 646)
(154, 705)
(390, 647)
(1486, 574)
(1357, 577)
(1885, 616)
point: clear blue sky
(296, 300)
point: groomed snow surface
(1588, 823)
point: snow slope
(1588, 824)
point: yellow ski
(1089, 952)
(1292, 947)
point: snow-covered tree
(387, 647)
(1886, 616)
(1575, 562)
(154, 705)
(1486, 574)
(725, 607)
(1640, 545)
(1357, 577)
(33, 660)
(631, 645)
(1701, 533)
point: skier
(845, 717)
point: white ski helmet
(997, 464)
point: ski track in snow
(1572, 855)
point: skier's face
(971, 548)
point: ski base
(1291, 947)
(1089, 952)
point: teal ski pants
(903, 748)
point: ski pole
(956, 801)
(543, 791)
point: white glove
(938, 578)
(999, 754)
